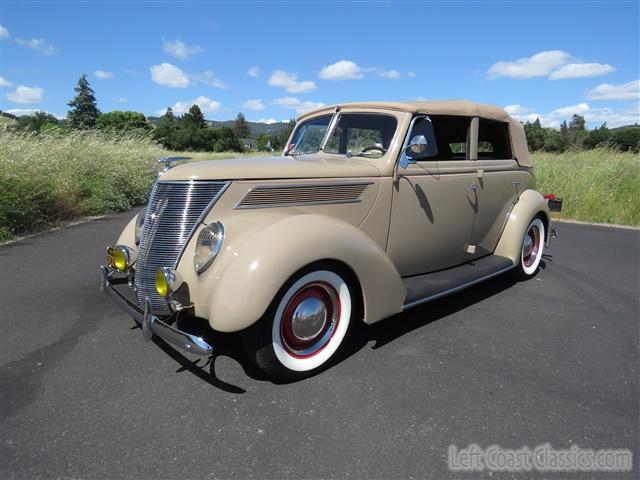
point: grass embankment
(51, 178)
(600, 185)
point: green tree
(577, 122)
(166, 128)
(597, 136)
(282, 139)
(36, 122)
(84, 112)
(194, 118)
(627, 138)
(123, 121)
(241, 127)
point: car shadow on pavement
(381, 333)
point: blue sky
(273, 60)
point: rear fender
(530, 204)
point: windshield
(364, 134)
(309, 135)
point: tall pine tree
(241, 127)
(194, 117)
(84, 112)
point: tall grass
(54, 177)
(600, 185)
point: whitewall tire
(304, 327)
(532, 249)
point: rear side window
(452, 134)
(493, 140)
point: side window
(493, 140)
(452, 136)
(362, 133)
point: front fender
(530, 203)
(248, 274)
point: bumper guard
(152, 325)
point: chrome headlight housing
(140, 224)
(208, 246)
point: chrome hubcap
(309, 318)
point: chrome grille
(175, 209)
(310, 194)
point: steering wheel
(382, 150)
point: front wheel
(532, 248)
(304, 326)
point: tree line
(574, 135)
(189, 132)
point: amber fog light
(122, 258)
(167, 281)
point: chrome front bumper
(152, 325)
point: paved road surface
(552, 360)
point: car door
(434, 206)
(499, 180)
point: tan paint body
(406, 222)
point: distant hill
(256, 128)
(625, 126)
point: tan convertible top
(447, 107)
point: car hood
(250, 168)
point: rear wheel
(532, 248)
(304, 326)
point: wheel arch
(530, 204)
(247, 277)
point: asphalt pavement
(551, 360)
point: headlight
(123, 258)
(140, 224)
(208, 245)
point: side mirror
(417, 146)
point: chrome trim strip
(415, 303)
(239, 205)
(152, 325)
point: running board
(427, 287)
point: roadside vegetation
(95, 163)
(600, 185)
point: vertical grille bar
(174, 211)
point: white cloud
(24, 94)
(625, 91)
(129, 71)
(19, 112)
(581, 70)
(342, 70)
(4, 83)
(206, 104)
(268, 121)
(593, 116)
(169, 76)
(180, 49)
(391, 74)
(539, 65)
(290, 82)
(297, 104)
(208, 78)
(122, 100)
(255, 105)
(411, 74)
(38, 44)
(102, 74)
(4, 33)
(516, 109)
(253, 72)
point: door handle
(473, 188)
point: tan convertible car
(372, 209)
